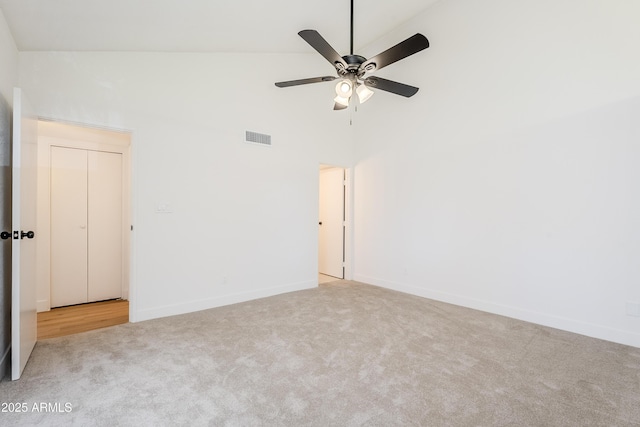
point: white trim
(63, 134)
(198, 305)
(83, 125)
(348, 215)
(565, 324)
(348, 231)
(133, 211)
(42, 305)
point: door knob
(320, 223)
(27, 234)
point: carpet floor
(342, 354)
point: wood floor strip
(81, 318)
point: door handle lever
(7, 235)
(27, 234)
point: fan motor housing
(354, 61)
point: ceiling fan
(353, 70)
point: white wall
(244, 217)
(510, 182)
(8, 61)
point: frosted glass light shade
(344, 89)
(342, 101)
(364, 93)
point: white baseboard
(198, 305)
(544, 319)
(4, 363)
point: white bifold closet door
(86, 226)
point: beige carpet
(343, 354)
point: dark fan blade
(305, 81)
(318, 43)
(390, 86)
(413, 44)
(338, 106)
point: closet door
(68, 226)
(105, 225)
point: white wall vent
(257, 138)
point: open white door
(331, 224)
(24, 320)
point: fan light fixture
(364, 93)
(344, 89)
(342, 101)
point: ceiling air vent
(257, 138)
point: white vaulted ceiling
(199, 25)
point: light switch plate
(164, 208)
(633, 309)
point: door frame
(348, 215)
(73, 135)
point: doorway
(86, 225)
(331, 223)
(83, 214)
